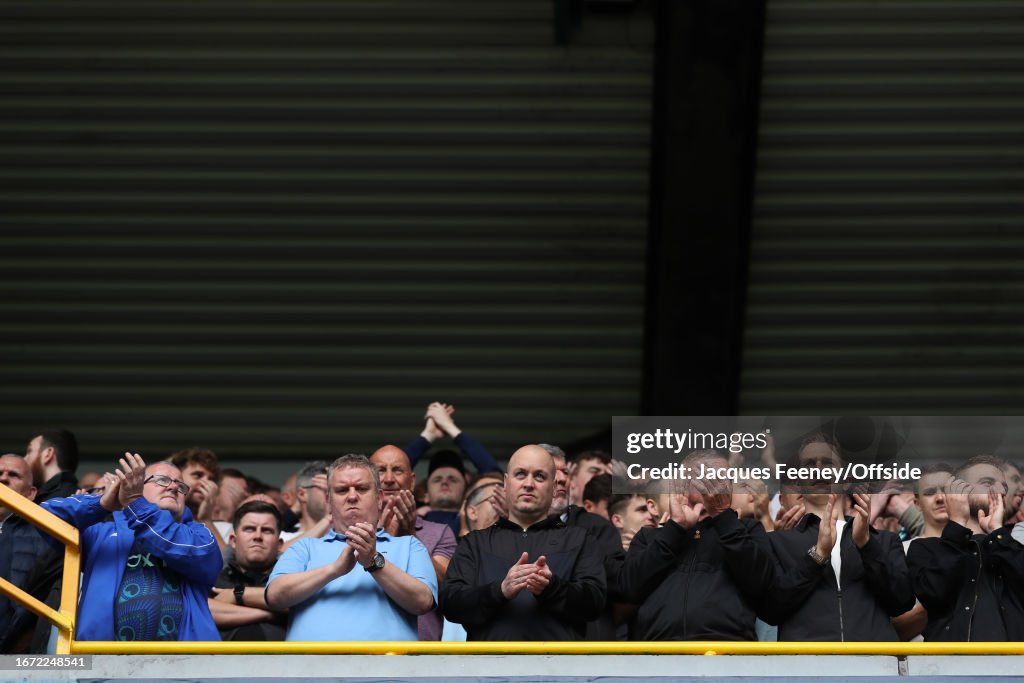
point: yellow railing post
(49, 523)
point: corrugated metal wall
(280, 229)
(887, 263)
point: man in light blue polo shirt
(357, 582)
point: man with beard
(52, 455)
(971, 578)
(237, 603)
(861, 581)
(529, 576)
(381, 582)
(147, 573)
(311, 496)
(397, 480)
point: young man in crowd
(861, 579)
(971, 577)
(52, 455)
(237, 602)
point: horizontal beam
(550, 648)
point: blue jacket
(186, 547)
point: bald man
(397, 480)
(20, 541)
(529, 576)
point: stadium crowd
(180, 548)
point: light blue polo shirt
(354, 606)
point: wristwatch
(813, 553)
(376, 564)
(240, 593)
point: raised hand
(827, 528)
(680, 510)
(880, 501)
(110, 500)
(540, 578)
(861, 519)
(346, 560)
(362, 537)
(441, 414)
(498, 501)
(787, 519)
(210, 490)
(399, 517)
(431, 432)
(996, 511)
(716, 494)
(958, 503)
(515, 579)
(131, 474)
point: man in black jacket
(971, 579)
(20, 544)
(702, 575)
(861, 580)
(53, 456)
(529, 576)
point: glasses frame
(178, 483)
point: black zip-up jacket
(701, 584)
(971, 585)
(608, 543)
(471, 592)
(875, 586)
(61, 485)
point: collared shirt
(353, 606)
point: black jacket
(702, 584)
(471, 591)
(20, 544)
(61, 485)
(606, 539)
(232, 575)
(875, 586)
(972, 586)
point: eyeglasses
(165, 481)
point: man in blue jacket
(147, 572)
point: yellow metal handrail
(550, 648)
(64, 620)
(49, 523)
